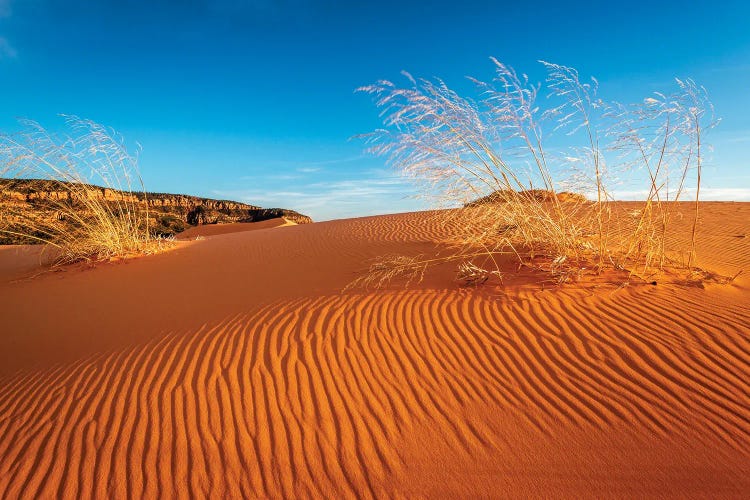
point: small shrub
(536, 180)
(168, 226)
(65, 208)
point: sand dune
(217, 229)
(235, 366)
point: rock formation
(168, 213)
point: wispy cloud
(335, 199)
(6, 9)
(725, 194)
(304, 166)
(729, 68)
(309, 167)
(733, 137)
(707, 194)
(335, 161)
(7, 51)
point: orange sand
(234, 366)
(217, 229)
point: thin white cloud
(7, 51)
(6, 9)
(303, 166)
(725, 194)
(729, 68)
(706, 194)
(335, 161)
(736, 137)
(335, 199)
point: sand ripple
(313, 397)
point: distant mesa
(540, 195)
(169, 214)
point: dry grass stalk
(472, 275)
(106, 222)
(386, 268)
(506, 164)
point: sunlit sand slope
(234, 366)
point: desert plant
(83, 192)
(503, 164)
(472, 275)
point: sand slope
(235, 366)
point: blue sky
(254, 99)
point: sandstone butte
(170, 214)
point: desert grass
(537, 179)
(68, 210)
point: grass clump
(536, 179)
(83, 194)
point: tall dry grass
(68, 209)
(507, 145)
